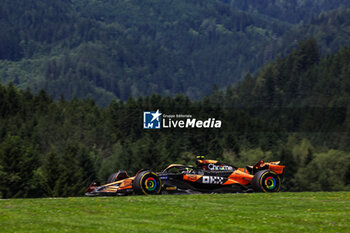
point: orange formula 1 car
(209, 176)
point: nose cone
(91, 190)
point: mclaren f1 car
(208, 176)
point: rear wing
(273, 166)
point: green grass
(260, 212)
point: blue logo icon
(151, 120)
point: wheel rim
(270, 182)
(150, 184)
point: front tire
(112, 178)
(147, 183)
(266, 181)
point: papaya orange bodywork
(276, 168)
(192, 178)
(239, 176)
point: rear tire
(266, 181)
(147, 183)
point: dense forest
(113, 49)
(293, 11)
(330, 29)
(295, 109)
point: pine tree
(68, 183)
(51, 172)
(18, 161)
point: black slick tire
(266, 181)
(147, 183)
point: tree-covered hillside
(296, 110)
(330, 29)
(292, 11)
(302, 79)
(117, 48)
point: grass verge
(257, 212)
